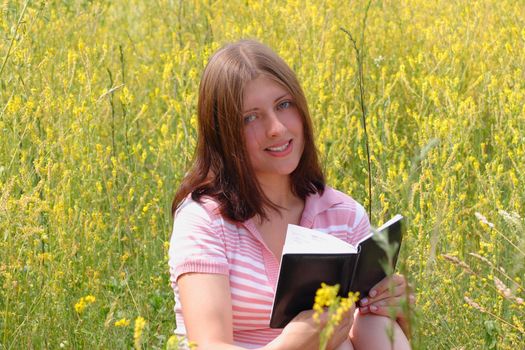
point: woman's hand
(389, 296)
(303, 331)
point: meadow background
(97, 127)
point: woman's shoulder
(205, 207)
(198, 218)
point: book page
(301, 240)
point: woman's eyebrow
(278, 98)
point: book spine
(348, 270)
(346, 277)
(351, 285)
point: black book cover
(373, 259)
(301, 274)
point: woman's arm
(207, 310)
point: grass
(97, 120)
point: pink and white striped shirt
(204, 242)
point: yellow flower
(80, 306)
(173, 343)
(140, 323)
(324, 297)
(83, 302)
(123, 322)
(89, 299)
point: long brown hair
(222, 169)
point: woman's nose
(275, 127)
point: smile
(281, 150)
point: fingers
(390, 306)
(382, 310)
(396, 291)
(388, 287)
(385, 284)
(389, 311)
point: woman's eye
(284, 105)
(249, 118)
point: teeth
(278, 149)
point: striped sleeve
(197, 243)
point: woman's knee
(377, 332)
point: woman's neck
(279, 192)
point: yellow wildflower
(173, 343)
(80, 306)
(89, 299)
(123, 322)
(83, 302)
(140, 323)
(324, 297)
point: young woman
(256, 171)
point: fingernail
(364, 301)
(372, 293)
(373, 308)
(363, 310)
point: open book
(311, 257)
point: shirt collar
(317, 203)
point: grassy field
(97, 126)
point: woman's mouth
(280, 150)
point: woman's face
(273, 128)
